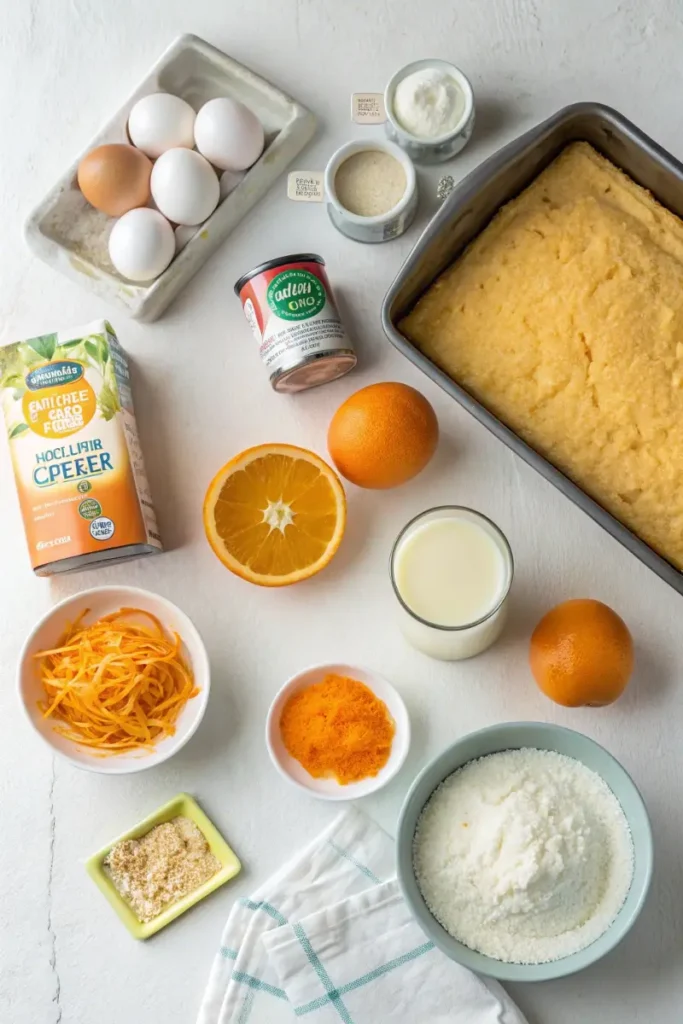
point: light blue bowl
(543, 737)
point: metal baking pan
(468, 210)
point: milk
(451, 569)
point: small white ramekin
(442, 147)
(326, 788)
(386, 225)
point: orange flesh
(301, 507)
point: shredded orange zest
(115, 686)
(338, 728)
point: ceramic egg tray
(71, 236)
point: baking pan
(468, 210)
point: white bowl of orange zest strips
(114, 679)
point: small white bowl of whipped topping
(430, 110)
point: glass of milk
(451, 570)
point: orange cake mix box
(77, 460)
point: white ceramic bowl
(330, 789)
(442, 147)
(384, 226)
(515, 736)
(103, 601)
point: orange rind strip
(115, 686)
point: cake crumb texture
(564, 318)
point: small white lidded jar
(451, 570)
(371, 190)
(430, 110)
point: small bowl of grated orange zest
(338, 731)
(114, 679)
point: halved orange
(275, 514)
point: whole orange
(383, 435)
(581, 653)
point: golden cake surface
(564, 317)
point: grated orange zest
(116, 686)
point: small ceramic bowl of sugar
(377, 720)
(371, 189)
(524, 851)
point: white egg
(184, 186)
(183, 235)
(229, 180)
(160, 122)
(141, 244)
(228, 134)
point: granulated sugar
(370, 183)
(525, 855)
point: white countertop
(202, 395)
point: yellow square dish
(181, 805)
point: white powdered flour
(525, 855)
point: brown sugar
(170, 861)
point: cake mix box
(78, 466)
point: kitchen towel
(330, 939)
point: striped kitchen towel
(330, 939)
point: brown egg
(115, 178)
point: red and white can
(291, 310)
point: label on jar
(368, 108)
(292, 315)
